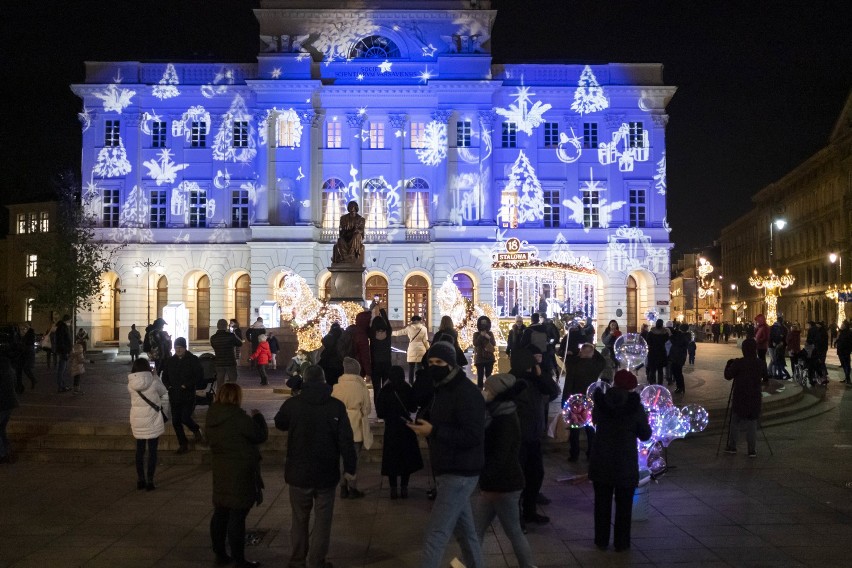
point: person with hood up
(380, 349)
(147, 398)
(400, 450)
(502, 478)
(746, 396)
(262, 355)
(360, 343)
(455, 428)
(678, 353)
(581, 371)
(620, 419)
(484, 345)
(330, 359)
(515, 335)
(761, 336)
(354, 394)
(318, 436)
(657, 356)
(233, 436)
(418, 343)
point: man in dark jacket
(181, 372)
(225, 345)
(455, 428)
(677, 355)
(657, 357)
(539, 336)
(62, 346)
(319, 434)
(746, 396)
(8, 402)
(580, 372)
(360, 343)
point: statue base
(347, 282)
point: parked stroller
(208, 381)
(809, 368)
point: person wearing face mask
(455, 428)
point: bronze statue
(349, 248)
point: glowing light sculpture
(772, 284)
(589, 96)
(841, 296)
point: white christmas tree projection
(167, 87)
(223, 145)
(523, 180)
(589, 96)
(434, 144)
(112, 162)
(165, 170)
(114, 99)
(524, 116)
(660, 176)
(561, 252)
(134, 211)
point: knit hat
(496, 384)
(443, 350)
(261, 337)
(625, 380)
(351, 366)
(180, 342)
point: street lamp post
(771, 283)
(839, 292)
(147, 265)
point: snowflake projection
(85, 118)
(183, 127)
(223, 145)
(525, 117)
(112, 162)
(335, 41)
(660, 176)
(222, 180)
(603, 208)
(167, 87)
(630, 249)
(570, 149)
(589, 96)
(114, 99)
(434, 144)
(165, 170)
(219, 86)
(523, 180)
(147, 119)
(385, 66)
(276, 73)
(630, 151)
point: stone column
(264, 165)
(446, 201)
(487, 213)
(397, 122)
(657, 213)
(304, 177)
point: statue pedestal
(347, 282)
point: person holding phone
(400, 452)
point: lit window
(158, 134)
(374, 47)
(551, 208)
(333, 191)
(463, 134)
(377, 135)
(591, 208)
(44, 222)
(418, 135)
(334, 135)
(23, 224)
(637, 207)
(32, 265)
(240, 134)
(198, 134)
(239, 208)
(112, 136)
(158, 209)
(590, 135)
(551, 134)
(509, 208)
(198, 208)
(637, 135)
(28, 310)
(417, 204)
(510, 135)
(288, 132)
(375, 204)
(110, 208)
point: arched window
(417, 204)
(202, 308)
(374, 47)
(325, 288)
(333, 206)
(375, 206)
(242, 300)
(377, 286)
(465, 285)
(417, 298)
(162, 295)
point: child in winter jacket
(262, 356)
(78, 368)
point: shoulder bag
(154, 406)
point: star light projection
(167, 87)
(589, 96)
(165, 170)
(526, 117)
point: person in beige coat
(352, 391)
(418, 344)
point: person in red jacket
(360, 344)
(262, 356)
(761, 336)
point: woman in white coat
(352, 391)
(146, 421)
(418, 344)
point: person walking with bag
(400, 450)
(233, 436)
(418, 343)
(148, 401)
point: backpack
(346, 344)
(538, 338)
(146, 343)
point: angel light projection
(526, 117)
(592, 211)
(165, 169)
(167, 87)
(589, 96)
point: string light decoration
(841, 296)
(706, 287)
(772, 284)
(464, 314)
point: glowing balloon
(631, 350)
(577, 411)
(656, 398)
(698, 417)
(597, 385)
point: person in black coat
(620, 419)
(62, 346)
(400, 451)
(380, 351)
(330, 359)
(747, 373)
(581, 371)
(677, 355)
(235, 462)
(8, 403)
(447, 332)
(657, 357)
(181, 373)
(844, 350)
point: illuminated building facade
(229, 173)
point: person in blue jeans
(455, 428)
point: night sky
(760, 83)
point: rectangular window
(463, 134)
(509, 209)
(43, 222)
(636, 138)
(286, 133)
(591, 208)
(334, 135)
(551, 134)
(240, 134)
(29, 309)
(110, 208)
(32, 265)
(418, 135)
(23, 224)
(417, 207)
(158, 134)
(377, 135)
(198, 134)
(551, 208)
(111, 133)
(637, 207)
(158, 209)
(590, 135)
(510, 135)
(198, 208)
(239, 208)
